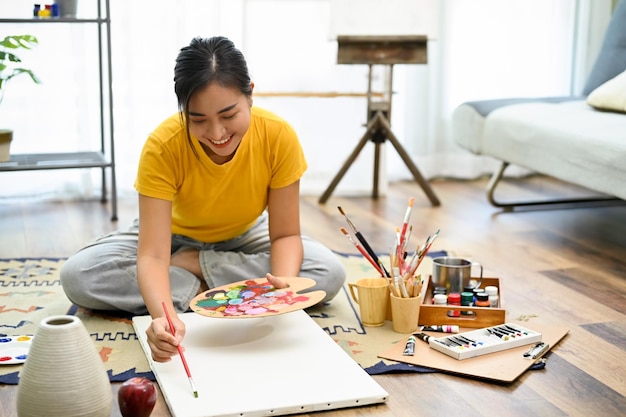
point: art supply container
(440, 299)
(405, 313)
(477, 291)
(372, 296)
(455, 300)
(482, 300)
(467, 299)
(492, 290)
(433, 314)
(455, 273)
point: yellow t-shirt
(211, 202)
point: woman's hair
(205, 61)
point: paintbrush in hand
(180, 351)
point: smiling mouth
(222, 142)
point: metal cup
(455, 273)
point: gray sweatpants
(103, 275)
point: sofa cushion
(611, 95)
(469, 117)
(612, 57)
(570, 141)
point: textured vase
(63, 375)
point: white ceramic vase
(63, 375)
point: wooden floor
(567, 267)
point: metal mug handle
(480, 280)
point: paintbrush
(424, 250)
(180, 351)
(398, 252)
(366, 245)
(363, 251)
(405, 223)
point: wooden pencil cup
(372, 298)
(405, 313)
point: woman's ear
(251, 93)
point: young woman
(218, 188)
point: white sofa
(581, 140)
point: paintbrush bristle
(344, 231)
(352, 226)
(193, 388)
(411, 201)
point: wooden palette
(256, 298)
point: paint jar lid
(491, 290)
(467, 297)
(440, 299)
(440, 290)
(454, 297)
(483, 296)
(478, 290)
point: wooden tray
(475, 317)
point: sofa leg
(510, 206)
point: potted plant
(9, 68)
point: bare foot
(189, 259)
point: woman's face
(219, 117)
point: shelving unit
(102, 158)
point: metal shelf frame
(73, 160)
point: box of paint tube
(472, 316)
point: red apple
(137, 397)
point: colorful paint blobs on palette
(257, 298)
(248, 299)
(14, 349)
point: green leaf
(19, 41)
(7, 47)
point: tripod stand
(375, 51)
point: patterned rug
(30, 290)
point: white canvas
(278, 365)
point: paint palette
(256, 298)
(14, 349)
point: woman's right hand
(163, 344)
